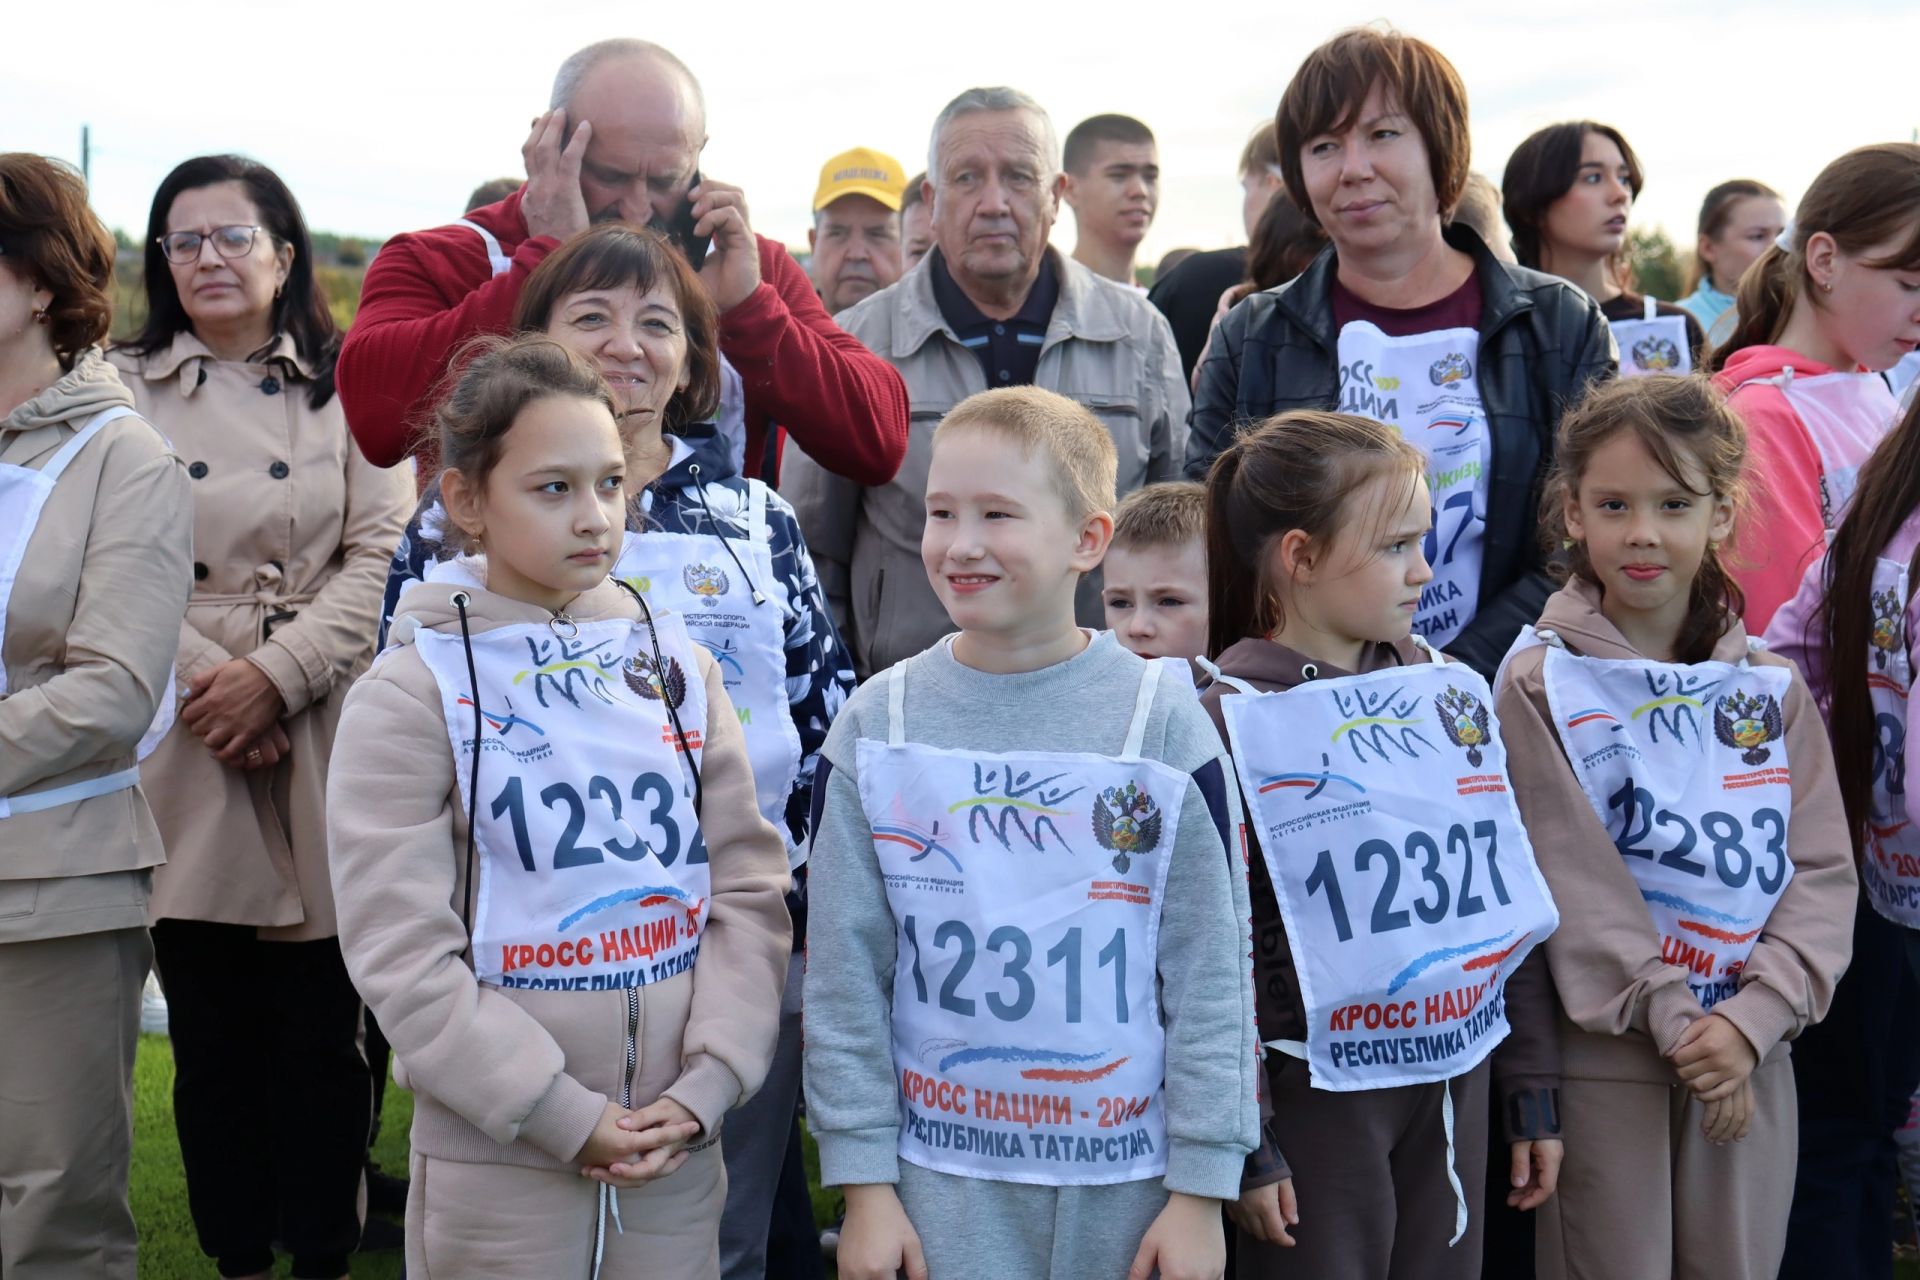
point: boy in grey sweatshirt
(1029, 1008)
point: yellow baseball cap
(861, 172)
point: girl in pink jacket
(1851, 630)
(1831, 304)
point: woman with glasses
(291, 534)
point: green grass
(168, 1250)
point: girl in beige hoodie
(582, 982)
(1679, 790)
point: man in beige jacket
(990, 306)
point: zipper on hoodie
(633, 1046)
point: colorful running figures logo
(923, 841)
(1464, 717)
(1677, 695)
(1655, 354)
(1127, 821)
(1449, 370)
(706, 581)
(1012, 802)
(565, 668)
(1747, 723)
(643, 676)
(1889, 627)
(1383, 722)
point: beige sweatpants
(504, 1222)
(69, 1024)
(1643, 1196)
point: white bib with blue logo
(1685, 765)
(1891, 868)
(1427, 385)
(1026, 890)
(1399, 863)
(711, 587)
(592, 872)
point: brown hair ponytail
(1293, 471)
(1865, 198)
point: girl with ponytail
(1833, 302)
(1851, 628)
(1677, 787)
(1317, 560)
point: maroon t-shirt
(1458, 310)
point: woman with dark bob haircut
(1407, 318)
(95, 566)
(1569, 190)
(723, 551)
(292, 529)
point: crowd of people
(1380, 757)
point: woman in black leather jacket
(1410, 319)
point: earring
(1826, 286)
(40, 316)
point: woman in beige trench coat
(292, 532)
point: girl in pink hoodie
(1831, 304)
(1851, 630)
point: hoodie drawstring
(460, 601)
(700, 492)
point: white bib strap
(896, 706)
(1221, 677)
(80, 438)
(74, 792)
(1433, 654)
(1651, 311)
(1142, 703)
(757, 513)
(496, 256)
(1453, 1177)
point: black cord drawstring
(700, 493)
(666, 695)
(460, 601)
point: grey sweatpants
(753, 1139)
(69, 1021)
(971, 1227)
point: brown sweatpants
(505, 1222)
(69, 1024)
(1370, 1173)
(1643, 1196)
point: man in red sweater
(632, 155)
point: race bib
(1427, 385)
(1026, 891)
(1891, 869)
(1685, 764)
(1400, 865)
(592, 872)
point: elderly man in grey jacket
(992, 305)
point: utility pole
(86, 153)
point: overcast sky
(383, 116)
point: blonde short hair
(1052, 429)
(1169, 514)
